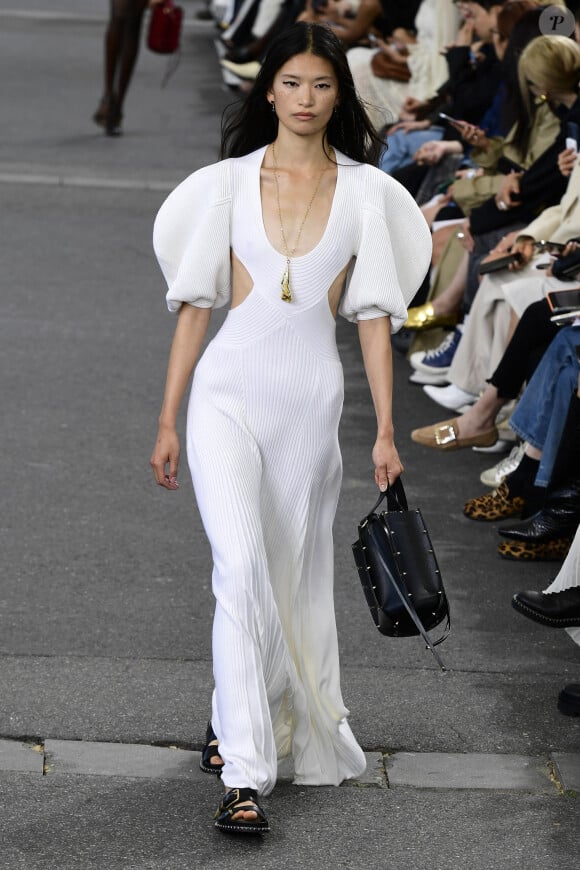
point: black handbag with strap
(399, 573)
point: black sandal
(230, 805)
(210, 752)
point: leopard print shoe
(525, 551)
(495, 505)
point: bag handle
(413, 614)
(395, 495)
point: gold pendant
(285, 284)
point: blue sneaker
(438, 360)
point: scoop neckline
(331, 213)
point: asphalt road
(105, 604)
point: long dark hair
(249, 126)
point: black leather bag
(399, 573)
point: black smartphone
(500, 263)
(451, 120)
(542, 247)
(561, 301)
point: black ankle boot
(558, 518)
(556, 609)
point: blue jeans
(541, 412)
(402, 146)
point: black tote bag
(398, 570)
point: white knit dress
(262, 443)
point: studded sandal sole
(230, 805)
(552, 621)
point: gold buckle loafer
(445, 436)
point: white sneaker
(452, 397)
(494, 476)
(424, 378)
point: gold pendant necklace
(285, 282)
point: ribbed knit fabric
(262, 442)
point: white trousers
(485, 336)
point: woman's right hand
(165, 457)
(523, 246)
(464, 35)
(473, 135)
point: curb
(556, 774)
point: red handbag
(165, 27)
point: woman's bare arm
(375, 340)
(189, 335)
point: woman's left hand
(388, 466)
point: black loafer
(569, 700)
(557, 609)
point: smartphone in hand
(563, 301)
(572, 135)
(451, 120)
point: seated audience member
(505, 133)
(436, 24)
(387, 19)
(550, 66)
(548, 533)
(547, 419)
(503, 296)
(474, 76)
(250, 33)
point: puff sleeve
(392, 254)
(191, 239)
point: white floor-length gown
(262, 443)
